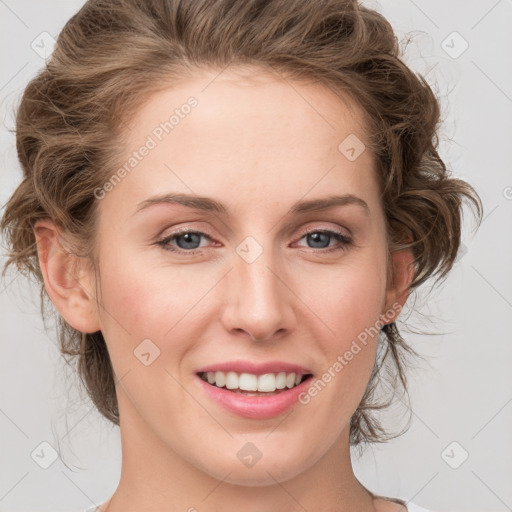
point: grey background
(463, 395)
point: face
(251, 280)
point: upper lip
(255, 368)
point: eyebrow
(207, 204)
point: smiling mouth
(254, 385)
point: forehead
(249, 135)
(252, 99)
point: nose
(258, 300)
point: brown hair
(113, 54)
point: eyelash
(345, 240)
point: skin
(256, 143)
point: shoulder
(396, 505)
(383, 504)
(98, 508)
(94, 508)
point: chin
(264, 472)
(263, 477)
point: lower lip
(255, 407)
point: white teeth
(220, 379)
(231, 380)
(281, 380)
(248, 382)
(266, 383)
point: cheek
(348, 299)
(145, 301)
(350, 303)
(149, 301)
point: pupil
(195, 239)
(188, 236)
(317, 237)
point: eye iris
(191, 238)
(317, 237)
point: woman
(229, 204)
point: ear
(67, 278)
(400, 276)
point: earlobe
(66, 281)
(402, 274)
